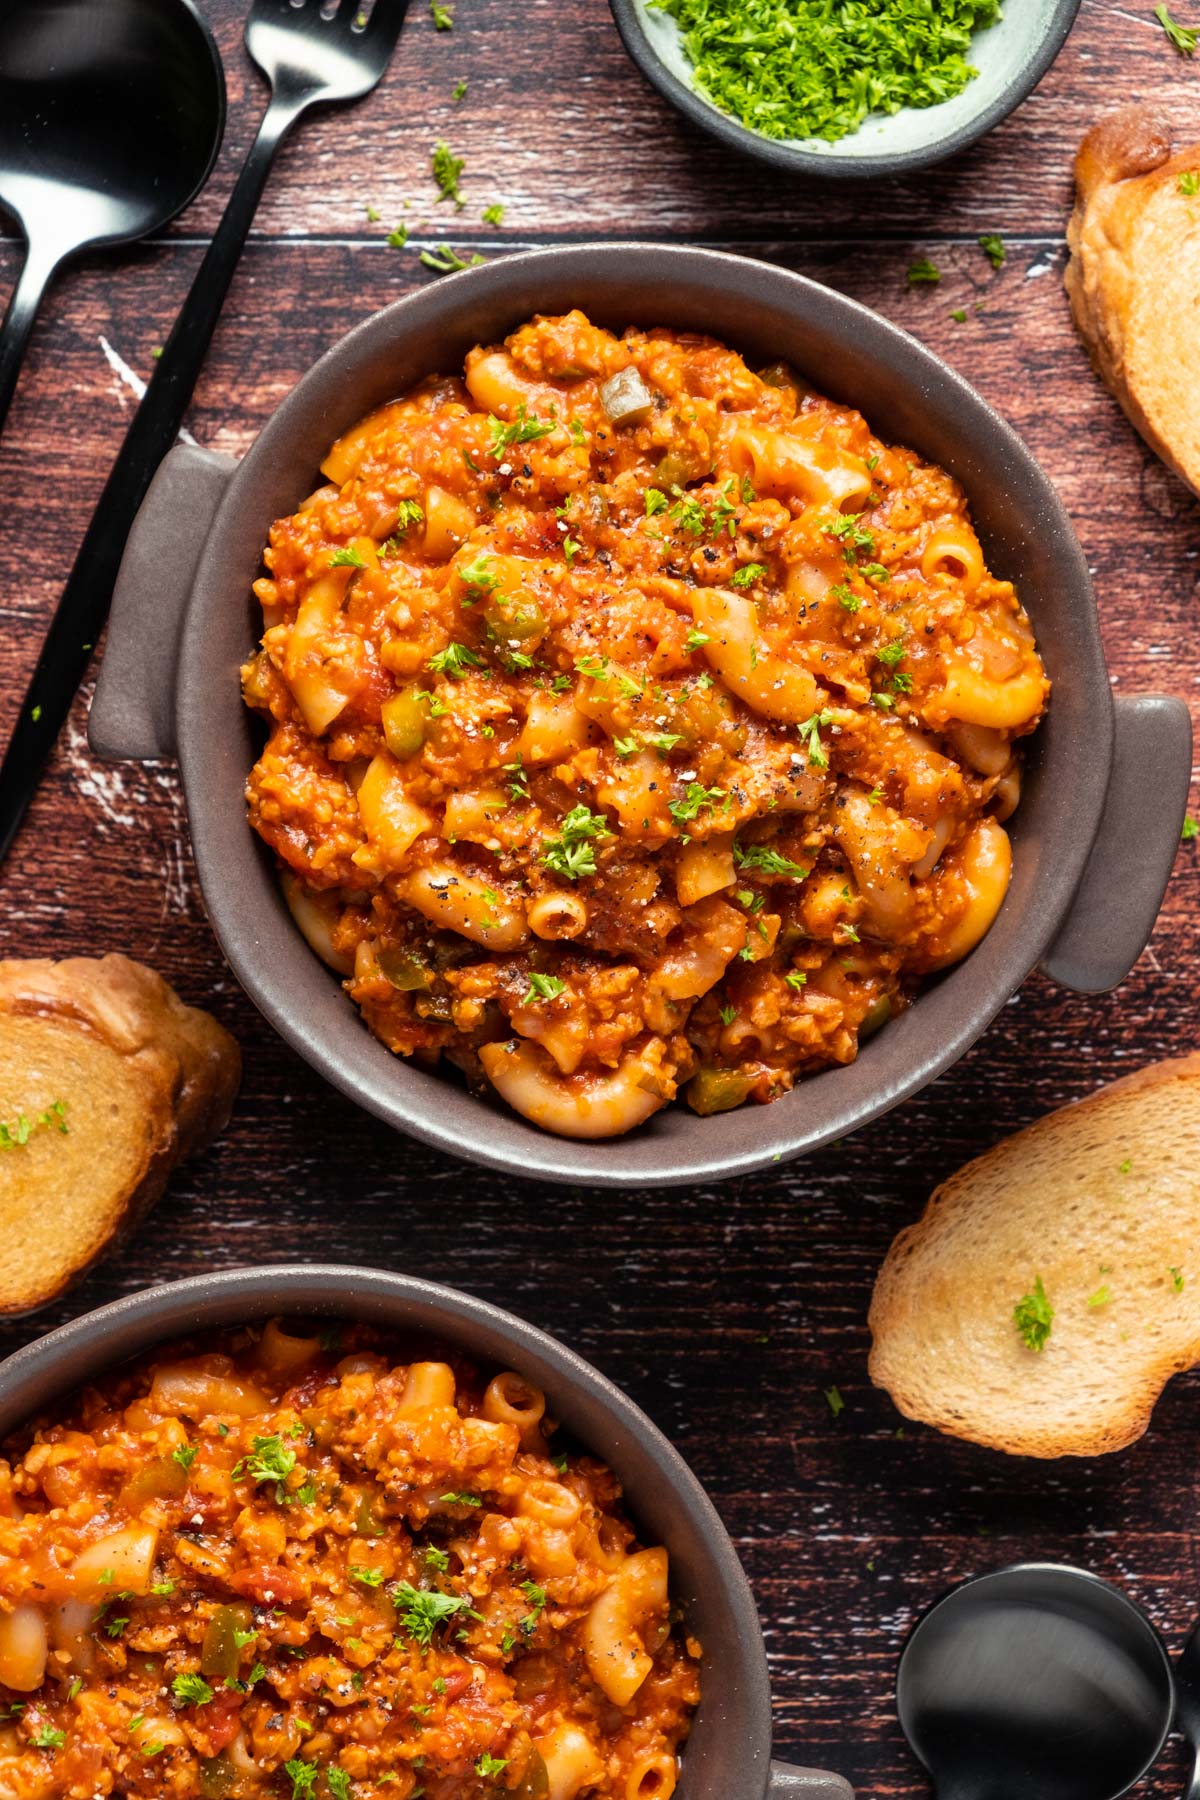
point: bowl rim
(836, 167)
(49, 1368)
(366, 1072)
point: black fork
(313, 53)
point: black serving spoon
(1187, 1705)
(1037, 1682)
(111, 116)
(313, 53)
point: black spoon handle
(83, 607)
(18, 321)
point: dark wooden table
(727, 1311)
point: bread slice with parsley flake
(1134, 275)
(107, 1080)
(1052, 1287)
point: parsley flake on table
(445, 261)
(923, 273)
(1033, 1316)
(1190, 830)
(493, 214)
(543, 987)
(442, 15)
(398, 237)
(816, 68)
(191, 1690)
(834, 1401)
(460, 89)
(992, 245)
(447, 172)
(422, 1610)
(1183, 37)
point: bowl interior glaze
(728, 1751)
(848, 352)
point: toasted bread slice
(1102, 1202)
(1134, 276)
(106, 1081)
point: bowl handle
(1117, 901)
(132, 714)
(789, 1783)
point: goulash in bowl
(637, 722)
(289, 1567)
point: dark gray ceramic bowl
(729, 1752)
(1011, 56)
(184, 620)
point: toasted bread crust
(1134, 276)
(186, 1069)
(948, 1362)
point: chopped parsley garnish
(371, 1578)
(270, 1460)
(1033, 1316)
(454, 660)
(339, 1782)
(834, 1401)
(524, 429)
(891, 653)
(810, 734)
(543, 987)
(572, 853)
(303, 1777)
(347, 559)
(114, 1627)
(186, 1455)
(191, 1690)
(397, 237)
(493, 214)
(408, 514)
(1177, 1279)
(479, 575)
(447, 172)
(536, 1597)
(923, 273)
(815, 69)
(655, 501)
(689, 515)
(770, 862)
(993, 248)
(1101, 1297)
(846, 597)
(594, 667)
(49, 1739)
(462, 1500)
(490, 1765)
(797, 979)
(959, 315)
(728, 1014)
(625, 746)
(1191, 829)
(1181, 36)
(1189, 183)
(747, 575)
(694, 799)
(422, 1610)
(436, 1559)
(875, 572)
(459, 90)
(696, 640)
(442, 15)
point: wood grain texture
(726, 1312)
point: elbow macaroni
(392, 1552)
(628, 757)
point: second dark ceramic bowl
(1011, 57)
(728, 1754)
(1104, 784)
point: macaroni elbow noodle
(635, 722)
(389, 1572)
